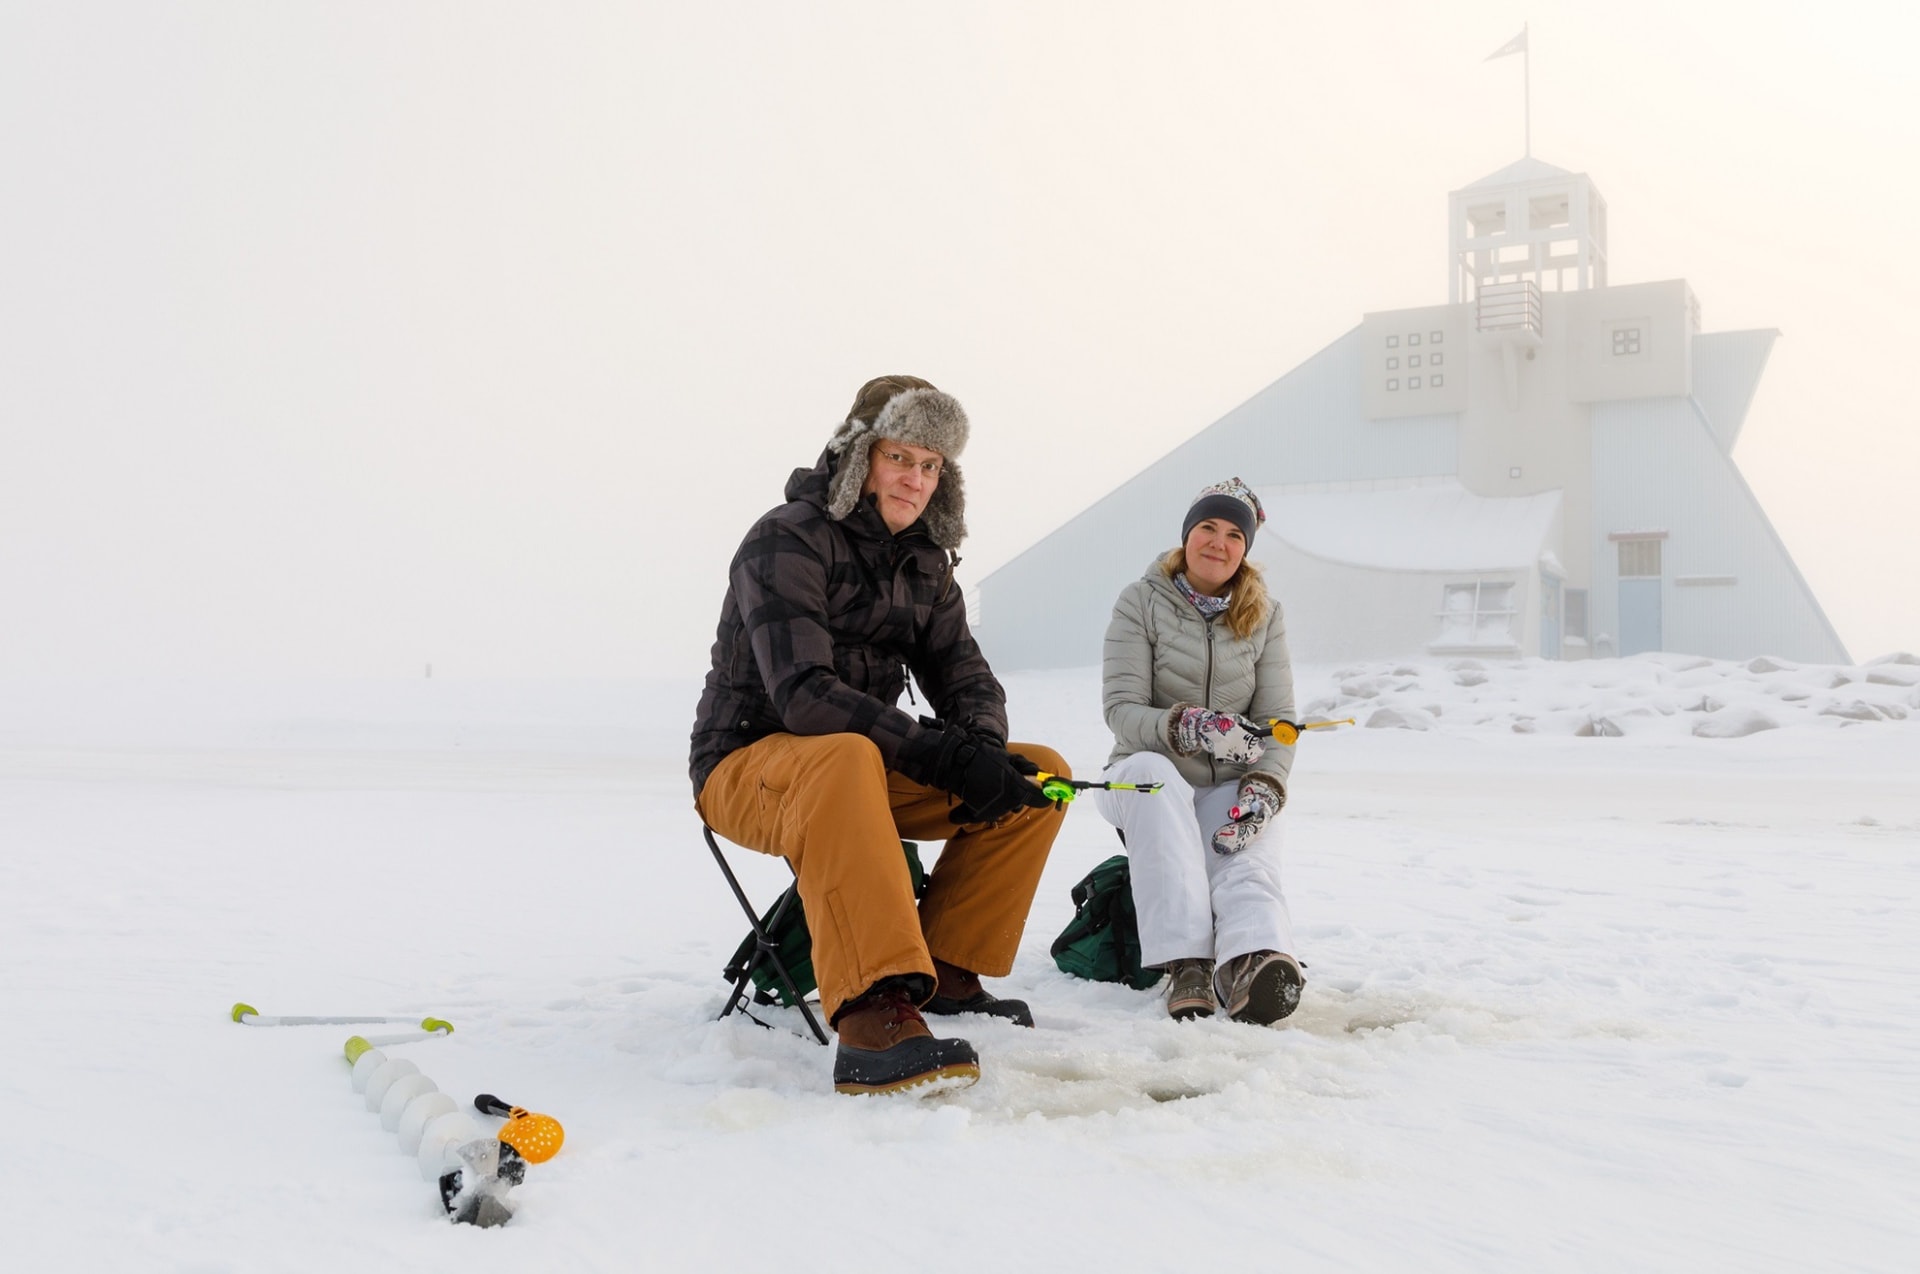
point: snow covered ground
(1612, 966)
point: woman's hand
(1258, 801)
(1222, 735)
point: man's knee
(1043, 756)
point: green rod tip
(439, 1024)
(244, 1010)
(356, 1045)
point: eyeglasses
(929, 469)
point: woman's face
(1214, 550)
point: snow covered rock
(1733, 723)
(1853, 710)
(1400, 718)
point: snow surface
(1612, 966)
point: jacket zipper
(1207, 699)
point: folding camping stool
(765, 949)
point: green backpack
(1102, 941)
(795, 942)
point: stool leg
(764, 948)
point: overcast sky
(348, 338)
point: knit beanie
(1231, 501)
(910, 410)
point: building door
(1639, 615)
(1549, 616)
(1640, 595)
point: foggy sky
(342, 339)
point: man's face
(904, 478)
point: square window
(1434, 337)
(1639, 558)
(1436, 359)
(1413, 360)
(1413, 382)
(1434, 380)
(1393, 342)
(1392, 363)
(1393, 382)
(1626, 342)
(1413, 338)
(1476, 614)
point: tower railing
(1509, 307)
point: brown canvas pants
(829, 805)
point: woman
(1195, 669)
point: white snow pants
(1194, 903)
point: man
(799, 750)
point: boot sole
(1275, 994)
(1191, 1011)
(943, 1079)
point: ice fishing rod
(1055, 788)
(1288, 732)
(247, 1015)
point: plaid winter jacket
(823, 621)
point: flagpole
(1526, 81)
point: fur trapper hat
(910, 410)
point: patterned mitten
(1257, 804)
(1222, 735)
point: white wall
(1658, 466)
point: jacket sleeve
(1273, 696)
(780, 582)
(1126, 677)
(950, 667)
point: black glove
(990, 782)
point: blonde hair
(1248, 606)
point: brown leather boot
(885, 1047)
(960, 991)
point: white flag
(1518, 44)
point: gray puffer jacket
(1161, 652)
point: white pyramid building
(1540, 467)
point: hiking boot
(1260, 987)
(885, 1047)
(1190, 990)
(960, 992)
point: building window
(1476, 614)
(1639, 558)
(1434, 338)
(1393, 383)
(1413, 382)
(1436, 359)
(1575, 624)
(1433, 381)
(1393, 342)
(1392, 363)
(1413, 360)
(1626, 342)
(1413, 338)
